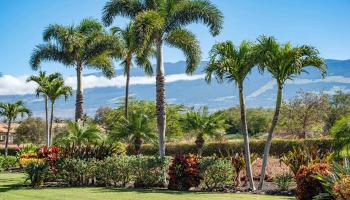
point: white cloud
(11, 85)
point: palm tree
(284, 62)
(84, 46)
(11, 111)
(204, 124)
(128, 38)
(42, 80)
(233, 64)
(137, 129)
(54, 91)
(77, 135)
(162, 22)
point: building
(3, 131)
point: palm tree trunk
(270, 136)
(47, 122)
(161, 101)
(7, 136)
(51, 122)
(246, 138)
(127, 89)
(79, 95)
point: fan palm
(84, 46)
(54, 90)
(10, 112)
(284, 62)
(162, 22)
(137, 129)
(233, 64)
(42, 80)
(77, 135)
(204, 124)
(128, 39)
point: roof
(3, 127)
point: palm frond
(125, 8)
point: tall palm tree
(204, 124)
(86, 45)
(233, 64)
(283, 62)
(42, 80)
(128, 39)
(137, 129)
(10, 112)
(54, 91)
(162, 22)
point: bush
(342, 188)
(278, 148)
(7, 162)
(184, 173)
(115, 170)
(284, 181)
(215, 172)
(37, 172)
(307, 185)
(149, 171)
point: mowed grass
(11, 189)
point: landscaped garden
(155, 150)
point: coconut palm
(204, 124)
(162, 22)
(10, 111)
(86, 45)
(78, 135)
(42, 80)
(233, 64)
(128, 39)
(283, 62)
(137, 129)
(56, 89)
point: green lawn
(10, 189)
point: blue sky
(324, 24)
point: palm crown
(11, 110)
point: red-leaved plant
(51, 155)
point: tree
(137, 129)
(283, 62)
(54, 91)
(304, 114)
(203, 124)
(10, 112)
(231, 63)
(77, 135)
(162, 22)
(86, 45)
(31, 130)
(128, 38)
(42, 80)
(341, 132)
(339, 108)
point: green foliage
(27, 149)
(341, 133)
(116, 170)
(7, 162)
(339, 108)
(284, 181)
(37, 173)
(216, 173)
(31, 130)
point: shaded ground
(11, 189)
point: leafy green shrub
(37, 172)
(149, 171)
(7, 162)
(184, 173)
(284, 181)
(215, 172)
(342, 188)
(307, 185)
(115, 170)
(340, 131)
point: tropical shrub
(50, 155)
(342, 188)
(7, 162)
(283, 181)
(184, 173)
(149, 171)
(36, 171)
(238, 163)
(215, 172)
(115, 170)
(307, 185)
(98, 151)
(340, 131)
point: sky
(323, 24)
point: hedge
(278, 148)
